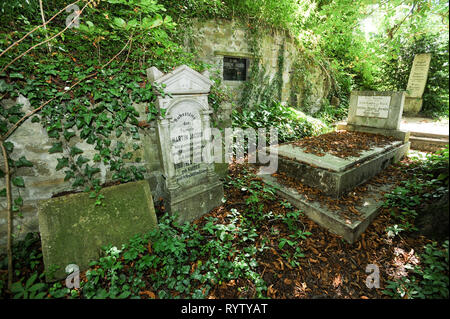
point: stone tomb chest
(183, 125)
(370, 140)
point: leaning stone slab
(73, 230)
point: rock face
(73, 229)
(216, 40)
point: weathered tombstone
(416, 83)
(193, 187)
(376, 112)
(73, 229)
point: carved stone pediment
(184, 80)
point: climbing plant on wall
(80, 97)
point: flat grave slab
(328, 161)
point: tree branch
(34, 29)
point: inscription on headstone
(376, 109)
(418, 76)
(373, 106)
(193, 188)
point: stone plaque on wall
(418, 76)
(193, 188)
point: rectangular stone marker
(416, 83)
(418, 76)
(381, 110)
(73, 229)
(193, 187)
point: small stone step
(427, 143)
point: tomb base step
(194, 202)
(337, 183)
(332, 221)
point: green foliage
(91, 82)
(395, 72)
(427, 280)
(430, 182)
(30, 290)
(290, 124)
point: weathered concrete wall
(212, 40)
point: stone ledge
(349, 230)
(397, 134)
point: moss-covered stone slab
(73, 229)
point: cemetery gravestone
(376, 112)
(369, 112)
(416, 83)
(73, 229)
(193, 188)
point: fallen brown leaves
(342, 143)
(331, 267)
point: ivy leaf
(78, 181)
(56, 148)
(35, 119)
(88, 118)
(122, 116)
(81, 160)
(23, 162)
(3, 192)
(53, 134)
(68, 134)
(69, 175)
(18, 201)
(75, 150)
(89, 171)
(62, 162)
(18, 181)
(8, 146)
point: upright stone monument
(376, 112)
(416, 83)
(183, 126)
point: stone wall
(212, 40)
(42, 181)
